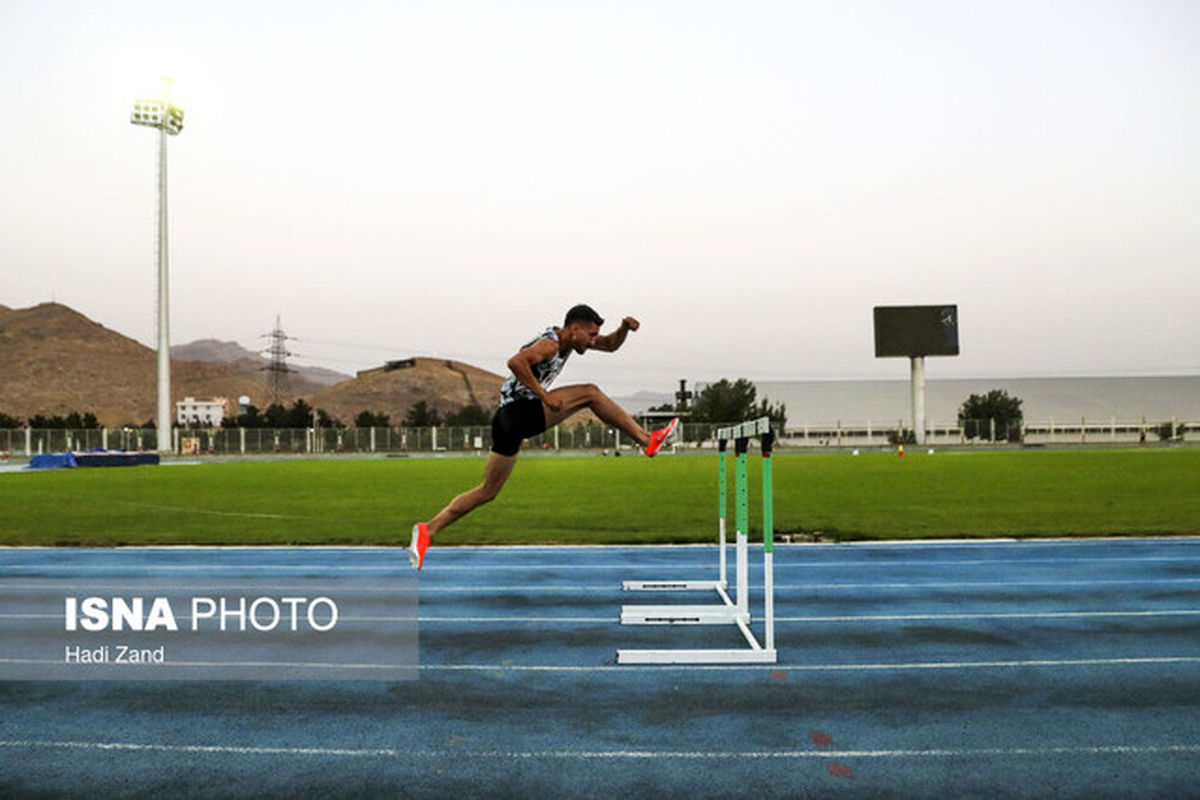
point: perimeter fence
(478, 439)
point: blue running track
(998, 669)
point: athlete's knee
(487, 493)
(591, 391)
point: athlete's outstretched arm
(610, 342)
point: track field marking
(255, 664)
(779, 565)
(524, 588)
(613, 669)
(841, 619)
(933, 665)
(603, 755)
(518, 549)
(613, 619)
(532, 589)
(782, 564)
(995, 615)
(185, 509)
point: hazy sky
(747, 178)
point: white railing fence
(253, 441)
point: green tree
(468, 416)
(300, 415)
(1167, 431)
(367, 419)
(976, 413)
(326, 421)
(276, 416)
(7, 421)
(422, 416)
(72, 421)
(734, 402)
(250, 418)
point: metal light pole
(168, 119)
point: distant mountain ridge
(54, 360)
(303, 380)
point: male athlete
(528, 407)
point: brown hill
(444, 385)
(54, 360)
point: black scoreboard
(916, 331)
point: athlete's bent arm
(522, 365)
(611, 342)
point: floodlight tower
(168, 119)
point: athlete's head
(582, 324)
(582, 313)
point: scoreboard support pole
(918, 398)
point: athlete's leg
(588, 395)
(495, 473)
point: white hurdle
(727, 611)
(730, 611)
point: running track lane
(1065, 669)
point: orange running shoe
(420, 543)
(659, 436)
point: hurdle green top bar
(722, 481)
(742, 488)
(768, 444)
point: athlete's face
(585, 334)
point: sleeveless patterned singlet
(544, 373)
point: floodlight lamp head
(147, 112)
(158, 114)
(174, 121)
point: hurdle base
(672, 586)
(683, 615)
(696, 656)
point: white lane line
(785, 564)
(1181, 612)
(615, 670)
(1129, 541)
(607, 755)
(565, 588)
(784, 667)
(613, 619)
(1178, 612)
(255, 664)
(530, 567)
(599, 589)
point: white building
(206, 413)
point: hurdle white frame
(728, 612)
(737, 613)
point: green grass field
(608, 500)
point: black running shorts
(515, 422)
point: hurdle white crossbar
(731, 611)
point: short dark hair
(582, 313)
